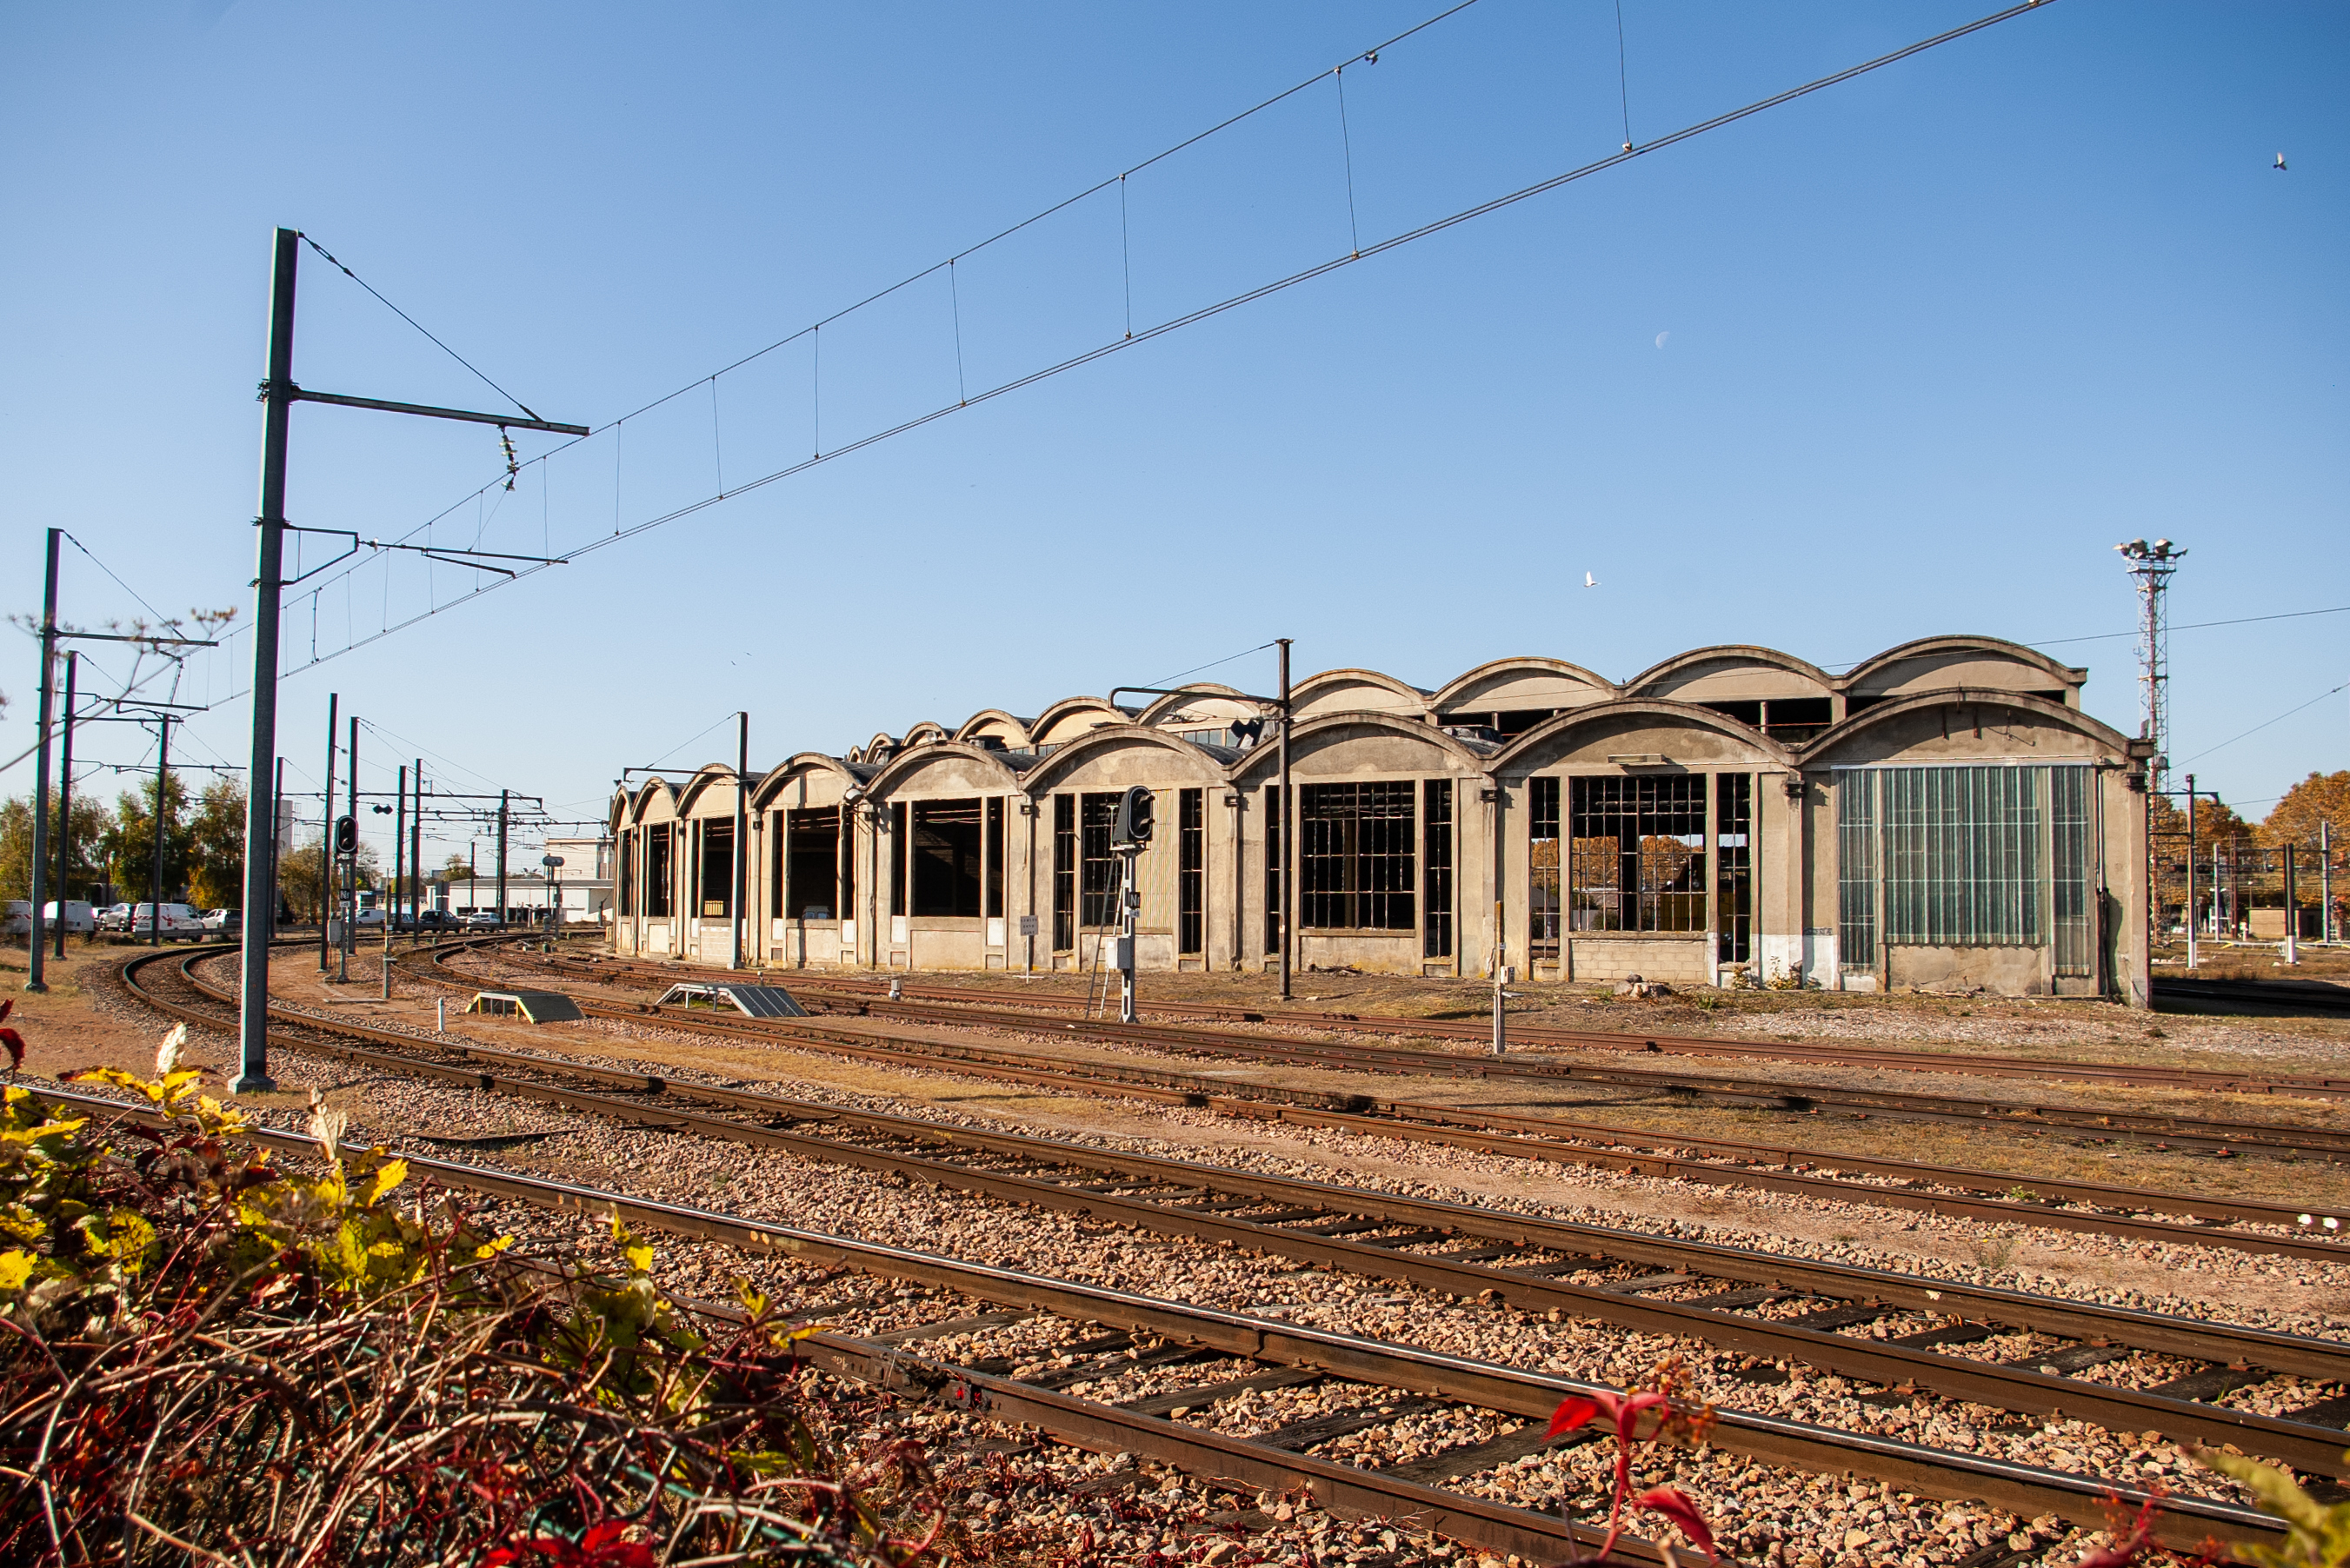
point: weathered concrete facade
(1943, 814)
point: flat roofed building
(1942, 814)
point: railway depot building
(1943, 815)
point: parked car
(225, 920)
(482, 920)
(116, 918)
(79, 918)
(175, 922)
(436, 921)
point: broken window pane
(1733, 823)
(1356, 858)
(1274, 875)
(995, 857)
(658, 877)
(946, 853)
(1097, 867)
(1635, 853)
(1543, 900)
(717, 869)
(1065, 872)
(897, 857)
(811, 864)
(1191, 871)
(1435, 935)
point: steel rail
(2025, 1489)
(2279, 1140)
(1565, 1142)
(2318, 1086)
(1891, 1363)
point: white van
(79, 918)
(178, 922)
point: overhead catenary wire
(388, 305)
(1174, 324)
(2263, 724)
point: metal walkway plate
(751, 1001)
(537, 1006)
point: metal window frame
(1437, 855)
(1647, 890)
(1190, 872)
(1064, 873)
(1357, 857)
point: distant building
(1943, 814)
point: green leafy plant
(216, 1356)
(2317, 1535)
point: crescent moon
(1660, 338)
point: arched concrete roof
(1996, 646)
(1453, 692)
(1687, 713)
(995, 718)
(1731, 653)
(1822, 746)
(644, 795)
(1409, 699)
(911, 759)
(709, 774)
(771, 783)
(1065, 760)
(1160, 710)
(923, 733)
(1041, 732)
(1265, 759)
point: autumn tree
(91, 824)
(216, 846)
(2319, 798)
(131, 846)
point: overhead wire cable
(1207, 312)
(388, 305)
(2256, 729)
(1243, 653)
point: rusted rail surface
(1644, 1041)
(1332, 1227)
(2104, 1211)
(2023, 1489)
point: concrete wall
(1985, 715)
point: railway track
(2091, 1207)
(1105, 1332)
(1723, 1296)
(1647, 1043)
(2198, 1134)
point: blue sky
(1904, 357)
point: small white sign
(1027, 925)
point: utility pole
(65, 806)
(2189, 907)
(349, 905)
(398, 851)
(34, 980)
(2292, 910)
(2325, 880)
(416, 854)
(2152, 566)
(1285, 828)
(163, 818)
(277, 837)
(327, 834)
(742, 830)
(502, 860)
(280, 393)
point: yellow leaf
(389, 1175)
(491, 1248)
(640, 1258)
(16, 1268)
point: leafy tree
(2320, 797)
(216, 846)
(456, 868)
(130, 847)
(2213, 820)
(92, 824)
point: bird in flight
(2280, 164)
(1589, 581)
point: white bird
(2280, 164)
(1589, 581)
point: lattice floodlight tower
(2152, 565)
